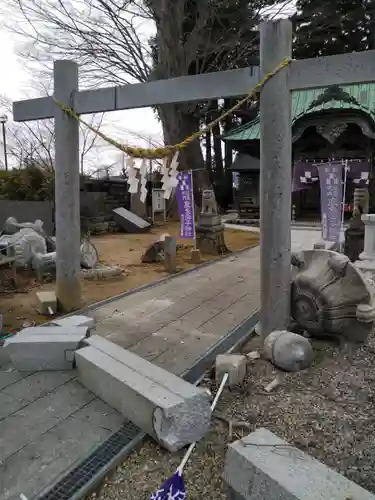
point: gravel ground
(326, 411)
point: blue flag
(172, 489)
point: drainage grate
(76, 483)
(78, 477)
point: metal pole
(344, 196)
(193, 202)
(275, 178)
(67, 194)
(5, 147)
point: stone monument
(209, 229)
(330, 296)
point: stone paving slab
(48, 421)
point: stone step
(261, 466)
(163, 405)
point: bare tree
(111, 41)
(33, 143)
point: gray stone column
(369, 247)
(67, 192)
(275, 178)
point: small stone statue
(209, 205)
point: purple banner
(185, 200)
(330, 175)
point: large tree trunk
(177, 126)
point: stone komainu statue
(209, 205)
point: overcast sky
(130, 127)
(14, 83)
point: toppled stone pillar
(263, 466)
(163, 405)
(44, 348)
(330, 296)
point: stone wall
(96, 211)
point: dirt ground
(124, 250)
(326, 411)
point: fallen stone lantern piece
(289, 351)
(262, 466)
(330, 296)
(163, 405)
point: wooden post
(67, 195)
(275, 178)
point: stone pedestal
(210, 235)
(210, 230)
(330, 296)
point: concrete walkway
(48, 421)
(302, 238)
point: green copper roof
(359, 97)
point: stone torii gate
(275, 147)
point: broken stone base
(43, 351)
(262, 466)
(330, 296)
(163, 405)
(210, 239)
(155, 251)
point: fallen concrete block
(32, 353)
(164, 406)
(81, 331)
(46, 302)
(75, 320)
(234, 365)
(262, 465)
